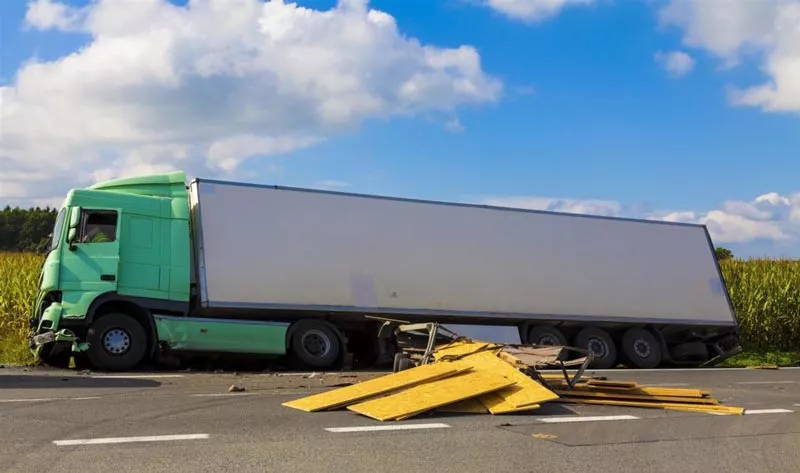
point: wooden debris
(479, 378)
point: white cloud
(676, 63)
(208, 86)
(730, 29)
(533, 10)
(771, 216)
(454, 125)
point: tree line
(26, 229)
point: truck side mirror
(75, 217)
(72, 234)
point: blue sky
(586, 112)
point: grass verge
(751, 359)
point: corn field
(765, 295)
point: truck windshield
(57, 228)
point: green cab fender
(52, 314)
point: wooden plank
(660, 405)
(496, 404)
(524, 392)
(633, 397)
(467, 406)
(377, 386)
(424, 397)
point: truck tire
(600, 343)
(546, 334)
(117, 342)
(641, 348)
(315, 344)
(690, 350)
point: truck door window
(99, 226)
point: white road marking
(558, 420)
(666, 370)
(767, 411)
(152, 438)
(373, 428)
(136, 376)
(222, 394)
(45, 399)
(766, 382)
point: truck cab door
(91, 261)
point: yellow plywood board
(467, 406)
(633, 397)
(424, 397)
(377, 386)
(525, 391)
(461, 349)
(660, 405)
(496, 404)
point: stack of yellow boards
(477, 377)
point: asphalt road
(64, 421)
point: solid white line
(766, 382)
(372, 428)
(152, 438)
(135, 376)
(44, 399)
(768, 411)
(558, 420)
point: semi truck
(139, 267)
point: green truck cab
(119, 250)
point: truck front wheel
(117, 342)
(315, 344)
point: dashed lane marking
(151, 438)
(766, 382)
(767, 411)
(136, 376)
(46, 399)
(222, 394)
(558, 420)
(376, 428)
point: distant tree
(723, 253)
(26, 229)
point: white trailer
(639, 291)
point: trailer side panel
(264, 247)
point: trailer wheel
(600, 343)
(642, 348)
(546, 335)
(315, 344)
(117, 342)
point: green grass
(765, 296)
(750, 359)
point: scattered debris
(466, 376)
(236, 389)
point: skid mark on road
(378, 428)
(149, 438)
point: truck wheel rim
(598, 347)
(316, 343)
(641, 347)
(116, 341)
(548, 340)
